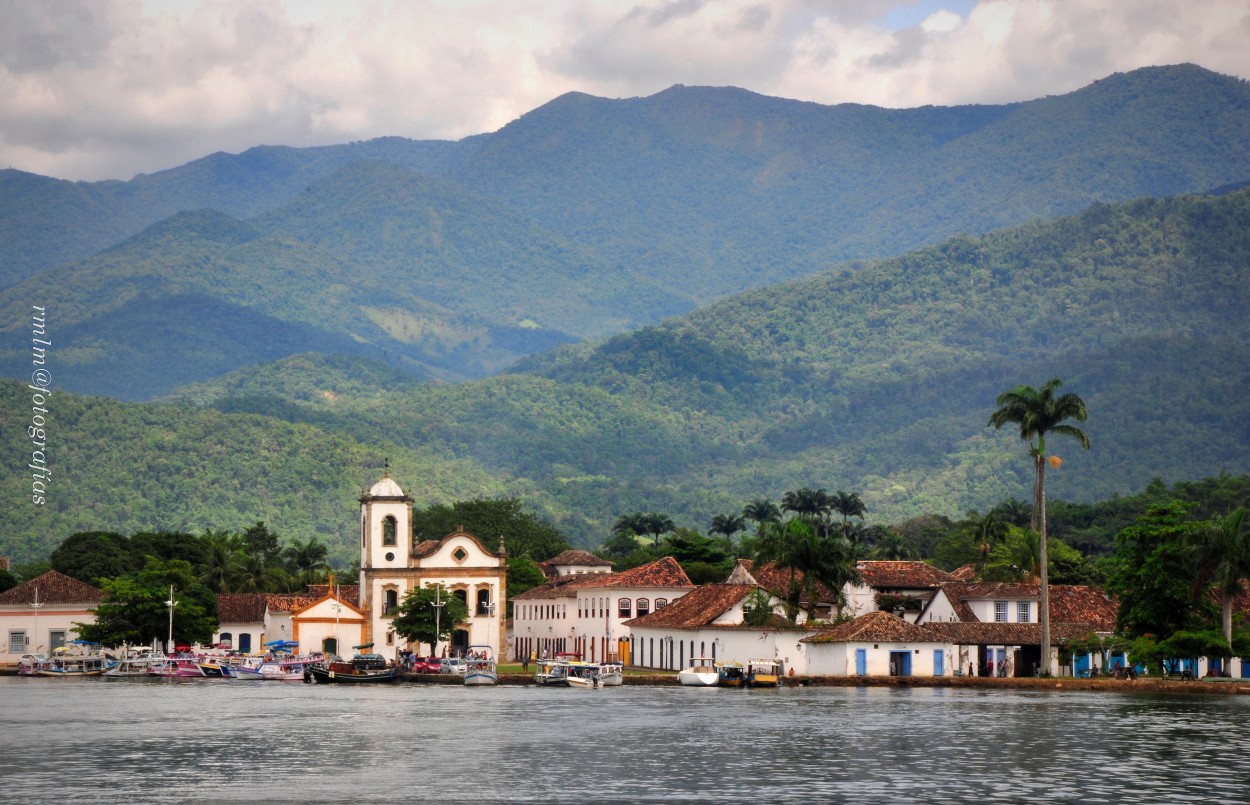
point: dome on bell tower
(386, 488)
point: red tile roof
(966, 572)
(665, 573)
(53, 588)
(241, 607)
(1004, 634)
(775, 579)
(1091, 609)
(346, 592)
(902, 575)
(699, 607)
(875, 627)
(572, 557)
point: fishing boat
(480, 667)
(731, 674)
(555, 671)
(611, 674)
(763, 674)
(361, 669)
(178, 668)
(290, 670)
(138, 664)
(701, 673)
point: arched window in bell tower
(388, 530)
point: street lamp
(438, 617)
(171, 603)
(35, 606)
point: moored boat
(611, 674)
(361, 669)
(480, 667)
(582, 675)
(272, 670)
(701, 673)
(763, 674)
(64, 665)
(731, 674)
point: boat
(480, 667)
(63, 664)
(138, 665)
(763, 674)
(580, 674)
(29, 663)
(731, 675)
(178, 668)
(701, 673)
(361, 669)
(555, 671)
(611, 674)
(270, 670)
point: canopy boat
(361, 669)
(556, 671)
(63, 664)
(583, 675)
(731, 674)
(763, 674)
(480, 667)
(138, 665)
(611, 674)
(701, 673)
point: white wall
(838, 659)
(740, 644)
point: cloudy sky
(95, 89)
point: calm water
(221, 741)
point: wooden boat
(701, 673)
(555, 671)
(480, 667)
(763, 674)
(65, 665)
(731, 675)
(138, 665)
(611, 674)
(271, 670)
(178, 668)
(361, 669)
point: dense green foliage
(135, 608)
(428, 615)
(583, 218)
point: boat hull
(328, 676)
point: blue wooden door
(861, 661)
(939, 662)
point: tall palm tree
(1039, 412)
(633, 523)
(988, 530)
(812, 505)
(848, 505)
(1222, 554)
(727, 524)
(658, 525)
(761, 510)
(222, 560)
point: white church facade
(391, 565)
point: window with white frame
(1000, 612)
(625, 608)
(643, 606)
(17, 641)
(660, 603)
(1022, 612)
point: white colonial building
(880, 644)
(585, 611)
(38, 616)
(391, 565)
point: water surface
(223, 741)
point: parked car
(455, 665)
(427, 665)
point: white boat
(611, 674)
(64, 665)
(702, 673)
(582, 675)
(480, 667)
(146, 664)
(271, 670)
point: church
(392, 563)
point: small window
(660, 603)
(463, 596)
(392, 602)
(1022, 612)
(225, 640)
(1000, 612)
(388, 530)
(625, 608)
(643, 606)
(483, 602)
(17, 641)
(460, 554)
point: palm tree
(727, 524)
(634, 523)
(308, 558)
(892, 546)
(761, 510)
(988, 529)
(658, 524)
(812, 505)
(1039, 412)
(848, 505)
(222, 557)
(1222, 554)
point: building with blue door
(878, 644)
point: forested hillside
(583, 218)
(876, 378)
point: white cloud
(104, 89)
